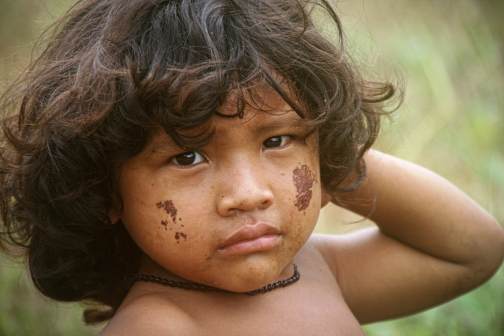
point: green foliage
(23, 311)
(452, 56)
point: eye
(277, 141)
(187, 158)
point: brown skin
(312, 306)
(432, 243)
(243, 177)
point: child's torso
(312, 306)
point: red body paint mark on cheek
(178, 235)
(169, 208)
(165, 224)
(303, 179)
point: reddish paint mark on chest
(169, 208)
(303, 179)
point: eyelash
(284, 139)
(187, 155)
(196, 157)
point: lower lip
(262, 243)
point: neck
(150, 271)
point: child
(168, 161)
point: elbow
(499, 247)
(496, 253)
(488, 261)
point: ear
(326, 198)
(114, 214)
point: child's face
(234, 214)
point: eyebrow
(164, 145)
(155, 146)
(281, 121)
(268, 128)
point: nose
(245, 188)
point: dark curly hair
(112, 71)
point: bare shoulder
(150, 314)
(321, 253)
(334, 247)
(359, 258)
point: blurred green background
(451, 54)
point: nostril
(264, 205)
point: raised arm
(432, 242)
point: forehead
(261, 98)
(264, 111)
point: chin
(253, 275)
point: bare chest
(300, 310)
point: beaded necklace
(204, 288)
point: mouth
(251, 238)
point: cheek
(171, 220)
(167, 232)
(303, 205)
(169, 208)
(303, 178)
